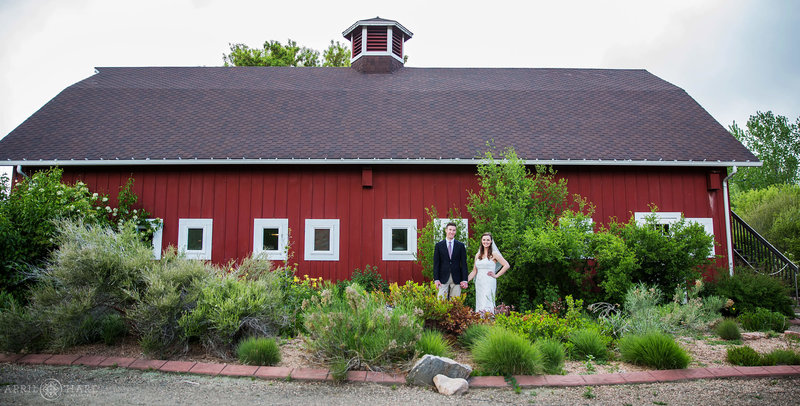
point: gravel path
(79, 385)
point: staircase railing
(756, 252)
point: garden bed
(706, 352)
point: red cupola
(377, 45)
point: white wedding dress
(485, 286)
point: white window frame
(674, 217)
(410, 225)
(283, 238)
(158, 234)
(314, 224)
(662, 217)
(183, 237)
(708, 224)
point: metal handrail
(757, 253)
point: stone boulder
(450, 386)
(430, 365)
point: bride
(486, 261)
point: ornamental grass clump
(656, 350)
(588, 343)
(743, 356)
(472, 334)
(553, 355)
(503, 352)
(433, 342)
(258, 351)
(781, 356)
(356, 330)
(728, 330)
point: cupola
(377, 45)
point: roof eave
(369, 161)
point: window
(271, 238)
(322, 240)
(663, 219)
(708, 224)
(194, 238)
(399, 239)
(157, 234)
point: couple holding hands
(450, 269)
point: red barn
(233, 158)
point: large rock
(450, 386)
(430, 365)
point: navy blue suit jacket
(444, 266)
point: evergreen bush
(112, 328)
(762, 320)
(750, 291)
(728, 330)
(743, 356)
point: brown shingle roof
(335, 113)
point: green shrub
(656, 350)
(781, 356)
(229, 307)
(762, 320)
(540, 323)
(112, 328)
(451, 316)
(728, 330)
(749, 291)
(433, 342)
(258, 351)
(666, 256)
(743, 356)
(588, 343)
(472, 334)
(370, 279)
(21, 329)
(553, 355)
(358, 329)
(504, 352)
(775, 213)
(171, 289)
(90, 276)
(29, 228)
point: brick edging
(319, 375)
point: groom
(450, 265)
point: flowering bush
(540, 323)
(357, 330)
(452, 316)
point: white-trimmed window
(399, 239)
(663, 218)
(668, 218)
(157, 236)
(322, 240)
(708, 224)
(194, 238)
(270, 238)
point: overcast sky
(734, 57)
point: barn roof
(156, 115)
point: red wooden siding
(356, 42)
(234, 195)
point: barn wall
(234, 195)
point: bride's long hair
(482, 250)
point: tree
(776, 142)
(274, 53)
